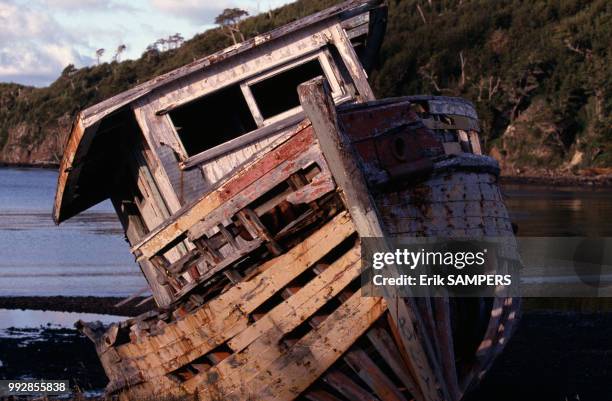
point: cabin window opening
(212, 120)
(278, 93)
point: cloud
(36, 65)
(86, 5)
(33, 47)
(39, 38)
(14, 23)
(204, 12)
(78, 3)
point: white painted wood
(344, 166)
(142, 111)
(345, 48)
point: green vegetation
(538, 71)
(542, 66)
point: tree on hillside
(151, 52)
(229, 20)
(171, 42)
(161, 44)
(175, 40)
(99, 54)
(120, 49)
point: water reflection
(87, 255)
(543, 211)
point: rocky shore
(604, 180)
(554, 355)
(58, 353)
(102, 305)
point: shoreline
(44, 165)
(106, 305)
(547, 180)
(561, 180)
(87, 304)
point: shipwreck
(244, 182)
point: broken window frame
(322, 57)
(265, 127)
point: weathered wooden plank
(226, 315)
(444, 335)
(320, 395)
(345, 48)
(385, 346)
(67, 175)
(308, 358)
(227, 261)
(320, 185)
(294, 310)
(261, 342)
(279, 271)
(492, 346)
(475, 142)
(251, 222)
(347, 387)
(318, 106)
(136, 226)
(498, 329)
(373, 376)
(498, 315)
(234, 205)
(359, 361)
(223, 157)
(509, 323)
(266, 348)
(166, 233)
(364, 366)
(161, 178)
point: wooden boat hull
(270, 303)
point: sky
(39, 38)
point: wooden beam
(373, 375)
(225, 316)
(312, 355)
(445, 342)
(384, 344)
(320, 395)
(316, 100)
(350, 58)
(300, 306)
(261, 344)
(188, 217)
(347, 387)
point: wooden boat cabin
(156, 148)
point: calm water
(87, 255)
(542, 211)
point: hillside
(538, 71)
